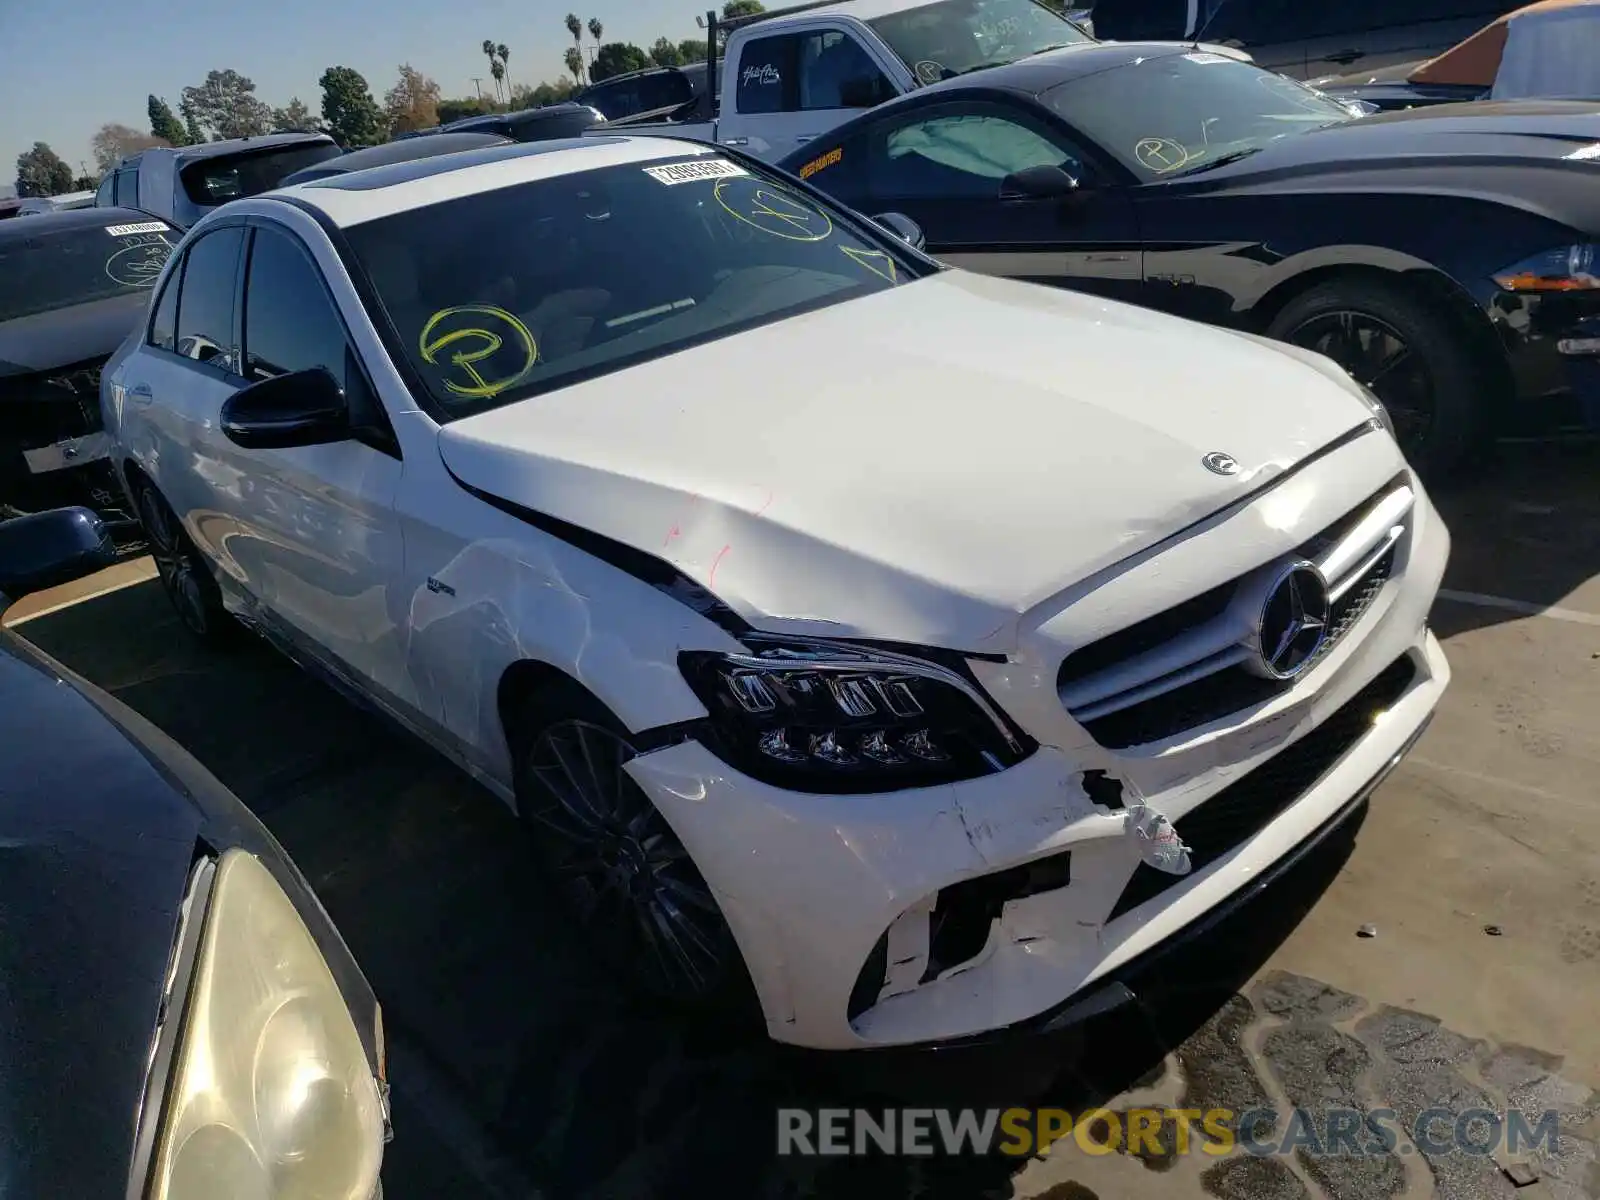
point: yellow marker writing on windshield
(488, 344)
(876, 261)
(774, 211)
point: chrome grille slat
(1115, 700)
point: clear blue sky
(69, 66)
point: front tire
(184, 574)
(1414, 359)
(621, 871)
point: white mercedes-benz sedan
(907, 652)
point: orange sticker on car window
(490, 347)
(822, 164)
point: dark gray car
(182, 184)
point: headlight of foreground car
(272, 1097)
(824, 717)
(1565, 269)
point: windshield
(227, 177)
(67, 267)
(505, 294)
(952, 37)
(1178, 113)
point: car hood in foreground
(101, 818)
(920, 465)
(95, 849)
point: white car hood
(922, 465)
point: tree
(112, 143)
(192, 132)
(596, 31)
(574, 60)
(665, 53)
(742, 8)
(693, 50)
(226, 106)
(41, 172)
(552, 93)
(617, 58)
(163, 124)
(505, 65)
(467, 106)
(85, 183)
(494, 65)
(412, 103)
(575, 28)
(295, 115)
(353, 116)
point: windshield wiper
(1232, 156)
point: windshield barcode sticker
(692, 172)
(141, 227)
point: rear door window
(767, 75)
(164, 324)
(125, 192)
(207, 303)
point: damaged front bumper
(1014, 902)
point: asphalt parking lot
(518, 1071)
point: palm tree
(575, 28)
(494, 65)
(595, 31)
(574, 59)
(498, 70)
(505, 65)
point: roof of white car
(361, 196)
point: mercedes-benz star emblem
(1219, 463)
(1294, 621)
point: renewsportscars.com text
(1023, 1132)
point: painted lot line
(1481, 600)
(112, 579)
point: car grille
(1191, 664)
(1243, 809)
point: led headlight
(1564, 269)
(271, 1095)
(826, 717)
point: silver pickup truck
(789, 76)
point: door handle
(736, 141)
(804, 138)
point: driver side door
(943, 165)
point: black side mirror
(903, 227)
(306, 408)
(44, 550)
(1039, 183)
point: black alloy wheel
(1416, 359)
(1377, 355)
(184, 575)
(625, 875)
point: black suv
(1305, 39)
